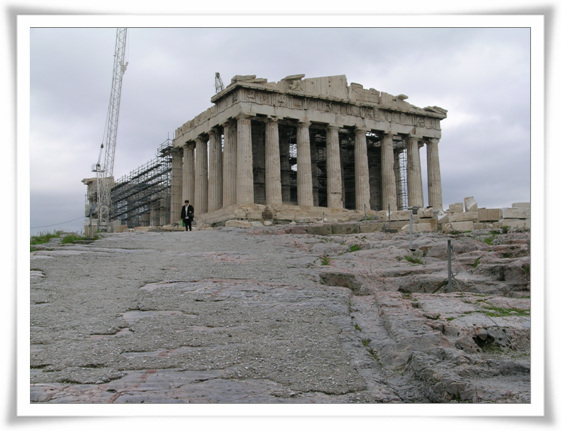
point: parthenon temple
(308, 143)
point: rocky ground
(276, 315)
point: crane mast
(104, 172)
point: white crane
(104, 172)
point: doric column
(362, 178)
(304, 160)
(389, 192)
(201, 176)
(285, 165)
(188, 172)
(433, 174)
(215, 171)
(176, 183)
(229, 165)
(334, 183)
(244, 168)
(273, 188)
(164, 214)
(414, 175)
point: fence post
(411, 230)
(449, 265)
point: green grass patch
(476, 263)
(375, 356)
(44, 238)
(66, 239)
(325, 260)
(355, 247)
(414, 260)
(69, 239)
(493, 311)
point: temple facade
(315, 142)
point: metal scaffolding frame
(401, 181)
(145, 189)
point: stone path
(262, 316)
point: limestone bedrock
(278, 315)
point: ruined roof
(333, 88)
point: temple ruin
(309, 143)
(294, 150)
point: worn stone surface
(261, 315)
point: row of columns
(225, 178)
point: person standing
(187, 215)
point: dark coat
(187, 213)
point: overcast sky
(480, 75)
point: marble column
(188, 172)
(244, 168)
(285, 165)
(164, 214)
(176, 183)
(414, 175)
(362, 176)
(273, 187)
(214, 170)
(304, 160)
(201, 176)
(334, 181)
(389, 192)
(433, 174)
(229, 165)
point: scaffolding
(401, 180)
(141, 198)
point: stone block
(345, 229)
(456, 208)
(285, 215)
(239, 213)
(396, 224)
(516, 213)
(432, 222)
(521, 205)
(370, 227)
(422, 227)
(515, 223)
(457, 227)
(483, 225)
(254, 214)
(323, 229)
(399, 215)
(382, 215)
(491, 214)
(237, 223)
(425, 213)
(470, 204)
(121, 228)
(460, 217)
